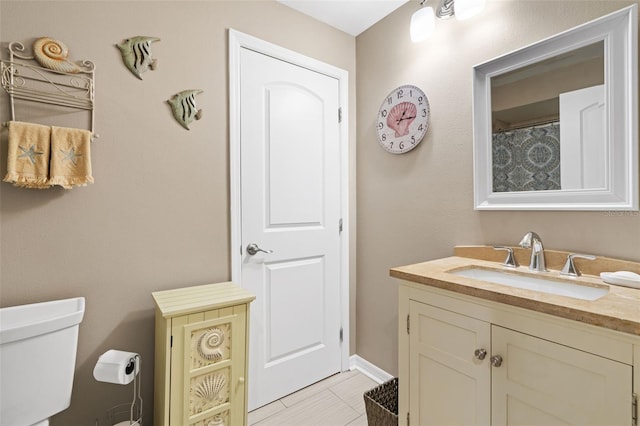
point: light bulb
(423, 23)
(465, 9)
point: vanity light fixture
(423, 20)
(466, 9)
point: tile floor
(335, 401)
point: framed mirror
(556, 122)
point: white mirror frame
(619, 31)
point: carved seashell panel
(210, 345)
(221, 419)
(208, 391)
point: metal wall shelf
(23, 80)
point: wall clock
(403, 119)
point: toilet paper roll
(117, 367)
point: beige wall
(158, 215)
(417, 206)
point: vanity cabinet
(201, 356)
(470, 361)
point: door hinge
(341, 334)
(408, 418)
(634, 409)
(408, 324)
(340, 226)
(340, 115)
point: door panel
(290, 196)
(522, 413)
(560, 385)
(295, 131)
(452, 385)
(287, 338)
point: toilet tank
(38, 344)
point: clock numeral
(411, 93)
(380, 125)
(420, 127)
(400, 93)
(420, 100)
(391, 145)
(413, 140)
(383, 113)
(424, 112)
(390, 100)
(383, 137)
(401, 146)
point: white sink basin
(561, 288)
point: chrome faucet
(534, 242)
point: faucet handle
(569, 267)
(510, 261)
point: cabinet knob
(496, 360)
(480, 354)
(241, 380)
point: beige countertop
(618, 310)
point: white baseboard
(365, 367)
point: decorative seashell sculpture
(184, 107)
(209, 342)
(136, 54)
(400, 118)
(52, 54)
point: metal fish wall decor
(184, 107)
(136, 54)
(53, 54)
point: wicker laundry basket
(381, 404)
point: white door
(583, 148)
(290, 194)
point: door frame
(238, 41)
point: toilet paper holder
(122, 368)
(119, 367)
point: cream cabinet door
(208, 362)
(449, 384)
(544, 383)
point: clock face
(403, 119)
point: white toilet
(38, 345)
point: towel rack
(23, 80)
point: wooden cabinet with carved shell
(201, 355)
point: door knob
(496, 360)
(480, 354)
(254, 249)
